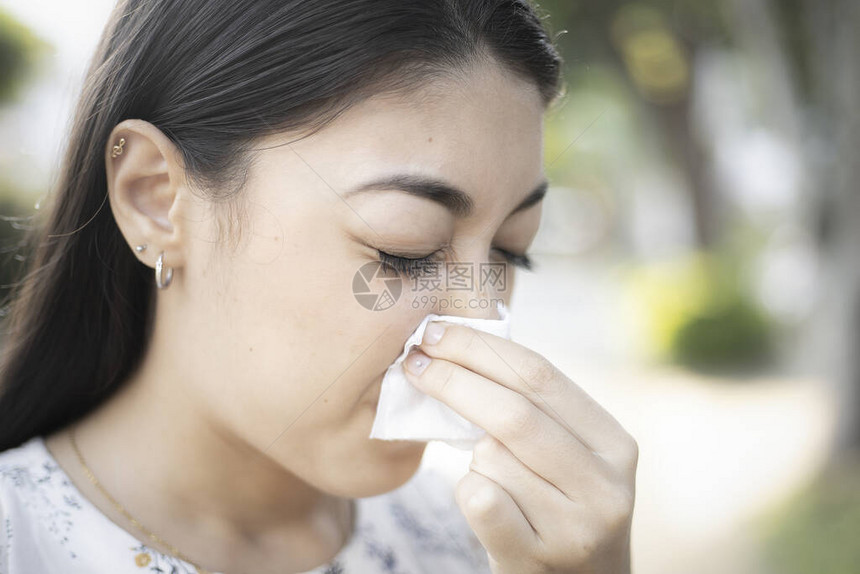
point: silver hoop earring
(159, 266)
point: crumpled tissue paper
(405, 413)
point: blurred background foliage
(749, 110)
(21, 53)
(708, 147)
(817, 529)
(634, 62)
(698, 314)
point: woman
(255, 155)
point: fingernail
(416, 362)
(433, 333)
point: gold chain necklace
(124, 512)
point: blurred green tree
(822, 47)
(20, 53)
(652, 45)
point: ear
(148, 192)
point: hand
(551, 486)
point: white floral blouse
(47, 526)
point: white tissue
(405, 413)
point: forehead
(481, 129)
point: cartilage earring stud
(139, 248)
(117, 149)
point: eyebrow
(452, 198)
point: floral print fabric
(47, 525)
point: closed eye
(521, 260)
(413, 266)
(428, 264)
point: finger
(532, 375)
(495, 519)
(539, 501)
(531, 436)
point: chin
(389, 465)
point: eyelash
(413, 267)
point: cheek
(295, 346)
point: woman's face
(278, 349)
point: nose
(476, 289)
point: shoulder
(26, 478)
(46, 525)
(26, 468)
(22, 474)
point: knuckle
(613, 504)
(619, 509)
(624, 453)
(633, 451)
(522, 421)
(628, 452)
(476, 494)
(541, 375)
(485, 449)
(484, 501)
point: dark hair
(214, 76)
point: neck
(198, 486)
